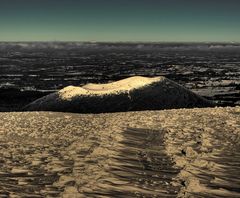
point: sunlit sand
(169, 153)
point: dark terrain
(31, 70)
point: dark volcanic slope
(211, 70)
(131, 94)
(186, 153)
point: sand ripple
(184, 153)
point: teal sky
(125, 20)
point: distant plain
(31, 70)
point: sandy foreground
(169, 153)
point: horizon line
(133, 42)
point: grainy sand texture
(168, 153)
(130, 94)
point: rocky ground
(170, 153)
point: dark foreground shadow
(140, 167)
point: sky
(125, 20)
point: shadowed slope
(131, 94)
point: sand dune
(169, 153)
(131, 94)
